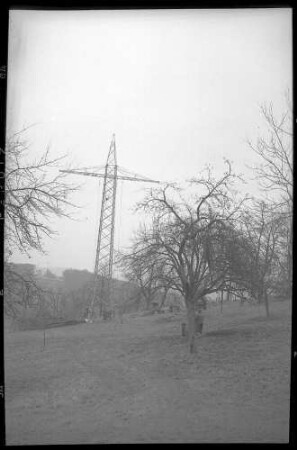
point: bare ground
(137, 383)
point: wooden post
(184, 329)
(266, 301)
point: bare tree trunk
(288, 291)
(222, 299)
(266, 301)
(191, 327)
(163, 299)
(147, 300)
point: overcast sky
(179, 88)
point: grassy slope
(136, 382)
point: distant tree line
(34, 298)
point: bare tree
(275, 171)
(189, 237)
(275, 174)
(21, 293)
(144, 269)
(283, 284)
(27, 299)
(34, 195)
(262, 235)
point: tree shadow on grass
(232, 332)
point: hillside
(136, 382)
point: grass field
(136, 382)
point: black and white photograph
(148, 226)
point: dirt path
(136, 382)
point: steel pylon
(102, 279)
(105, 242)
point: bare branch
(34, 193)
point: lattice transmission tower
(103, 270)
